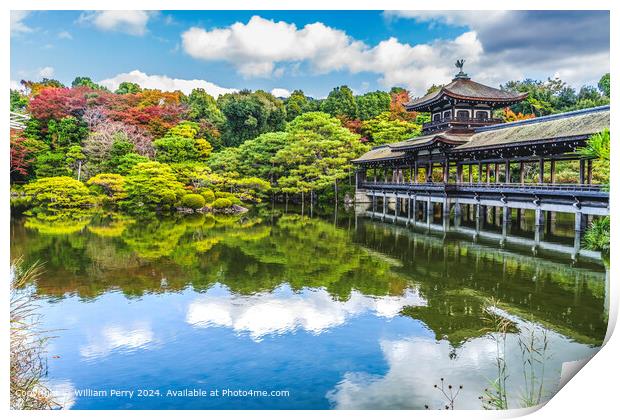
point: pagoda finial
(459, 65)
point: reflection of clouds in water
(113, 337)
(63, 392)
(416, 364)
(281, 311)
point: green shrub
(229, 196)
(58, 192)
(597, 236)
(221, 203)
(208, 195)
(193, 201)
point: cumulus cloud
(257, 47)
(17, 22)
(46, 72)
(283, 311)
(132, 22)
(280, 92)
(165, 83)
(497, 46)
(573, 45)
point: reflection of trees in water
(457, 277)
(249, 255)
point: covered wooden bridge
(465, 158)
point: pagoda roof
(576, 124)
(444, 137)
(465, 89)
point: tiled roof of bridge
(582, 123)
(379, 153)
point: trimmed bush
(221, 203)
(208, 195)
(193, 201)
(229, 196)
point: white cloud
(46, 72)
(17, 22)
(283, 311)
(132, 22)
(531, 48)
(15, 85)
(165, 83)
(64, 35)
(280, 92)
(63, 393)
(257, 47)
(415, 364)
(471, 18)
(113, 337)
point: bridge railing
(476, 186)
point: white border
(592, 394)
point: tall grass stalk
(28, 341)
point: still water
(337, 312)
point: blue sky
(311, 50)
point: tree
(298, 103)
(58, 192)
(340, 103)
(384, 129)
(249, 114)
(128, 87)
(86, 82)
(69, 131)
(111, 185)
(150, 186)
(317, 154)
(75, 158)
(203, 107)
(371, 104)
(180, 144)
(19, 101)
(604, 85)
(51, 164)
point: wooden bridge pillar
(541, 170)
(522, 172)
(507, 172)
(429, 212)
(581, 223)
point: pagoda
(462, 105)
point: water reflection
(283, 311)
(344, 312)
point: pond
(278, 310)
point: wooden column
(471, 175)
(541, 170)
(552, 171)
(507, 172)
(479, 172)
(582, 171)
(488, 173)
(429, 172)
(589, 171)
(459, 173)
(522, 172)
(446, 171)
(415, 172)
(496, 173)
